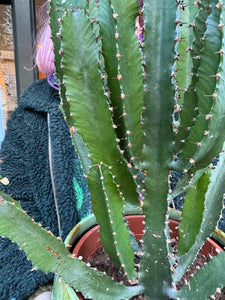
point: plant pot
(89, 243)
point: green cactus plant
(135, 110)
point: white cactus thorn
(208, 116)
(220, 27)
(116, 35)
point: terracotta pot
(89, 243)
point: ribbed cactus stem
(157, 117)
(108, 209)
(205, 65)
(89, 100)
(120, 46)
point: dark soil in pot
(90, 248)
(103, 263)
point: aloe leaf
(206, 280)
(84, 90)
(6, 197)
(62, 291)
(157, 119)
(192, 213)
(212, 209)
(108, 209)
(50, 255)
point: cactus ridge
(192, 213)
(110, 51)
(190, 100)
(108, 210)
(155, 267)
(131, 85)
(186, 13)
(213, 205)
(213, 142)
(205, 87)
(90, 101)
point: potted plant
(136, 114)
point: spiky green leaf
(62, 291)
(50, 255)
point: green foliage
(50, 255)
(135, 114)
(108, 210)
(61, 290)
(197, 288)
(192, 213)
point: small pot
(89, 243)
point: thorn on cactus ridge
(191, 25)
(221, 52)
(118, 56)
(117, 35)
(197, 57)
(122, 152)
(219, 6)
(123, 115)
(198, 144)
(208, 116)
(192, 161)
(122, 96)
(218, 76)
(220, 27)
(59, 35)
(214, 96)
(188, 49)
(115, 16)
(129, 165)
(197, 3)
(119, 77)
